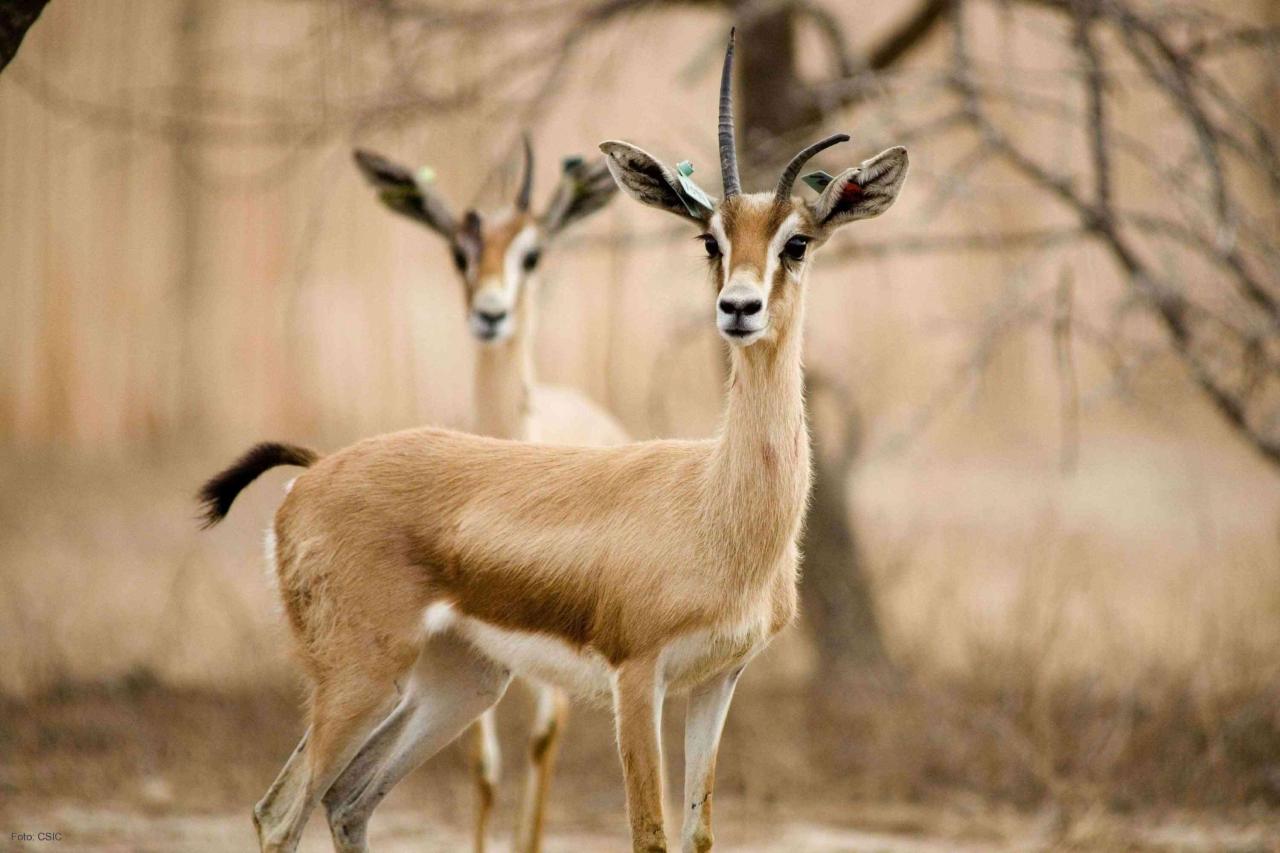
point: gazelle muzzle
(490, 318)
(742, 315)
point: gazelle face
(496, 257)
(496, 261)
(757, 247)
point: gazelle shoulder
(567, 416)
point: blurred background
(1042, 590)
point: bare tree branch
(909, 34)
(1220, 164)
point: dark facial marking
(468, 243)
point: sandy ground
(141, 767)
(403, 831)
(901, 830)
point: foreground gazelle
(442, 563)
(497, 257)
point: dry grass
(965, 765)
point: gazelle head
(495, 255)
(758, 245)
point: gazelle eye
(709, 243)
(531, 260)
(459, 259)
(795, 248)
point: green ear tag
(691, 195)
(817, 181)
(425, 175)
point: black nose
(740, 307)
(492, 319)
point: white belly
(538, 657)
(686, 661)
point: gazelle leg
(548, 726)
(285, 787)
(343, 711)
(487, 766)
(638, 692)
(451, 686)
(356, 775)
(708, 706)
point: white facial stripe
(717, 230)
(513, 264)
(784, 233)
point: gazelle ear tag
(697, 202)
(818, 180)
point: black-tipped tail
(217, 495)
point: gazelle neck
(504, 379)
(758, 477)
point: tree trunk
(189, 224)
(837, 606)
(772, 101)
(839, 609)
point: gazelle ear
(406, 193)
(644, 178)
(584, 189)
(862, 192)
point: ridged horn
(728, 148)
(526, 182)
(792, 171)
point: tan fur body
(499, 530)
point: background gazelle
(452, 561)
(497, 257)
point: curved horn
(728, 149)
(792, 171)
(526, 182)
